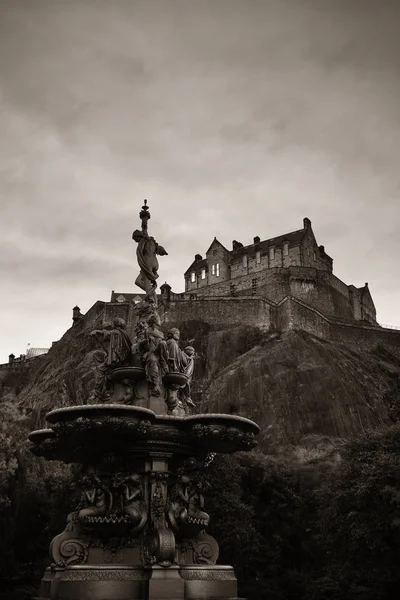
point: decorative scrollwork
(71, 546)
(206, 550)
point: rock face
(294, 385)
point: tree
(360, 516)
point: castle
(288, 265)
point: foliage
(257, 508)
(9, 444)
(360, 516)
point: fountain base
(121, 582)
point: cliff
(304, 391)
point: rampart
(216, 311)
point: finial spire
(145, 216)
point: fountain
(140, 529)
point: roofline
(216, 240)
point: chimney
(76, 315)
(306, 223)
(236, 245)
(256, 240)
(321, 249)
(198, 257)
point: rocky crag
(303, 390)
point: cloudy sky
(235, 118)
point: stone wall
(364, 335)
(303, 317)
(320, 289)
(220, 312)
(292, 313)
(113, 310)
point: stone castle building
(288, 265)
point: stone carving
(188, 369)
(152, 347)
(179, 402)
(101, 391)
(69, 547)
(203, 550)
(160, 540)
(146, 253)
(116, 502)
(97, 497)
(232, 434)
(133, 501)
(185, 512)
(106, 575)
(118, 353)
(216, 574)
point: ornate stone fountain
(140, 529)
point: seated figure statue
(152, 347)
(117, 353)
(175, 360)
(188, 368)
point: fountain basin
(130, 373)
(83, 433)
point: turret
(76, 315)
(165, 290)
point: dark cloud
(234, 118)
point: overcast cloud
(234, 118)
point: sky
(234, 118)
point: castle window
(203, 273)
(213, 270)
(232, 289)
(285, 249)
(193, 277)
(271, 253)
(254, 285)
(244, 261)
(258, 257)
(217, 269)
(308, 251)
(315, 256)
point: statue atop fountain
(146, 252)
